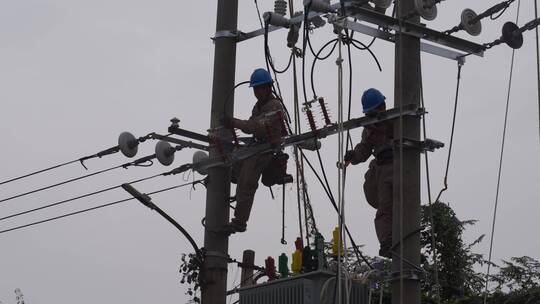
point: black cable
(268, 55)
(231, 93)
(316, 55)
(75, 198)
(349, 139)
(80, 160)
(537, 62)
(96, 207)
(38, 172)
(133, 163)
(324, 174)
(305, 37)
(335, 41)
(357, 251)
(445, 187)
(278, 92)
(258, 13)
(365, 47)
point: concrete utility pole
(407, 91)
(218, 189)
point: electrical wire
(335, 41)
(75, 198)
(341, 213)
(537, 62)
(357, 251)
(428, 182)
(445, 181)
(365, 47)
(400, 130)
(500, 163)
(258, 13)
(137, 162)
(231, 93)
(38, 172)
(96, 207)
(81, 160)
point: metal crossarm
(385, 35)
(455, 49)
(180, 142)
(246, 152)
(174, 129)
(417, 30)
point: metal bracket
(235, 34)
(424, 146)
(407, 274)
(180, 142)
(174, 129)
(217, 254)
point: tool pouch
(276, 171)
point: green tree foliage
(455, 260)
(516, 282)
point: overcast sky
(75, 74)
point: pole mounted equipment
(512, 35)
(128, 144)
(427, 9)
(470, 21)
(199, 157)
(165, 152)
(276, 20)
(319, 6)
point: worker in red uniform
(378, 185)
(266, 125)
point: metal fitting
(276, 20)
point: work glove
(227, 122)
(349, 156)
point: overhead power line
(138, 162)
(510, 77)
(75, 198)
(97, 207)
(80, 160)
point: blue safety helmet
(372, 99)
(260, 77)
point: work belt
(384, 157)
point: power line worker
(266, 124)
(377, 140)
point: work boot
(235, 226)
(386, 251)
